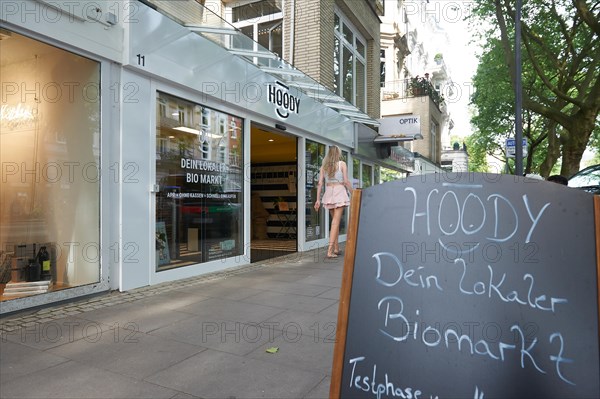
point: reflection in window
(49, 148)
(261, 21)
(256, 10)
(349, 65)
(433, 133)
(315, 221)
(344, 221)
(199, 214)
(367, 171)
(356, 173)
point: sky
(461, 59)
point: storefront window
(356, 173)
(199, 206)
(367, 171)
(391, 175)
(377, 174)
(49, 152)
(344, 221)
(315, 221)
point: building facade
(414, 79)
(148, 141)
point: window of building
(349, 69)
(367, 175)
(199, 206)
(356, 183)
(255, 10)
(262, 21)
(50, 188)
(433, 132)
(315, 220)
(382, 67)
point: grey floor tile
(57, 332)
(175, 299)
(233, 290)
(76, 380)
(331, 312)
(290, 301)
(133, 354)
(241, 311)
(212, 374)
(140, 315)
(321, 391)
(181, 395)
(327, 281)
(275, 273)
(316, 325)
(332, 293)
(295, 287)
(226, 336)
(18, 360)
(300, 351)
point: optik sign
(285, 103)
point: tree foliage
(560, 77)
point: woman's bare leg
(334, 232)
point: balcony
(411, 88)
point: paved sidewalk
(205, 337)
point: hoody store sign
(285, 103)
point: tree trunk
(553, 149)
(571, 158)
(579, 136)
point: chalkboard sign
(469, 286)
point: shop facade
(56, 229)
(136, 159)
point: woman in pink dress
(334, 173)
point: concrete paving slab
(233, 290)
(226, 309)
(321, 391)
(331, 312)
(299, 351)
(75, 380)
(227, 336)
(285, 287)
(140, 315)
(174, 299)
(213, 374)
(19, 360)
(332, 293)
(316, 325)
(328, 281)
(290, 301)
(127, 352)
(57, 332)
(184, 396)
(274, 274)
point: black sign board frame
(544, 345)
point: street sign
(511, 148)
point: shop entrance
(274, 211)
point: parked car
(587, 179)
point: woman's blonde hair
(331, 161)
